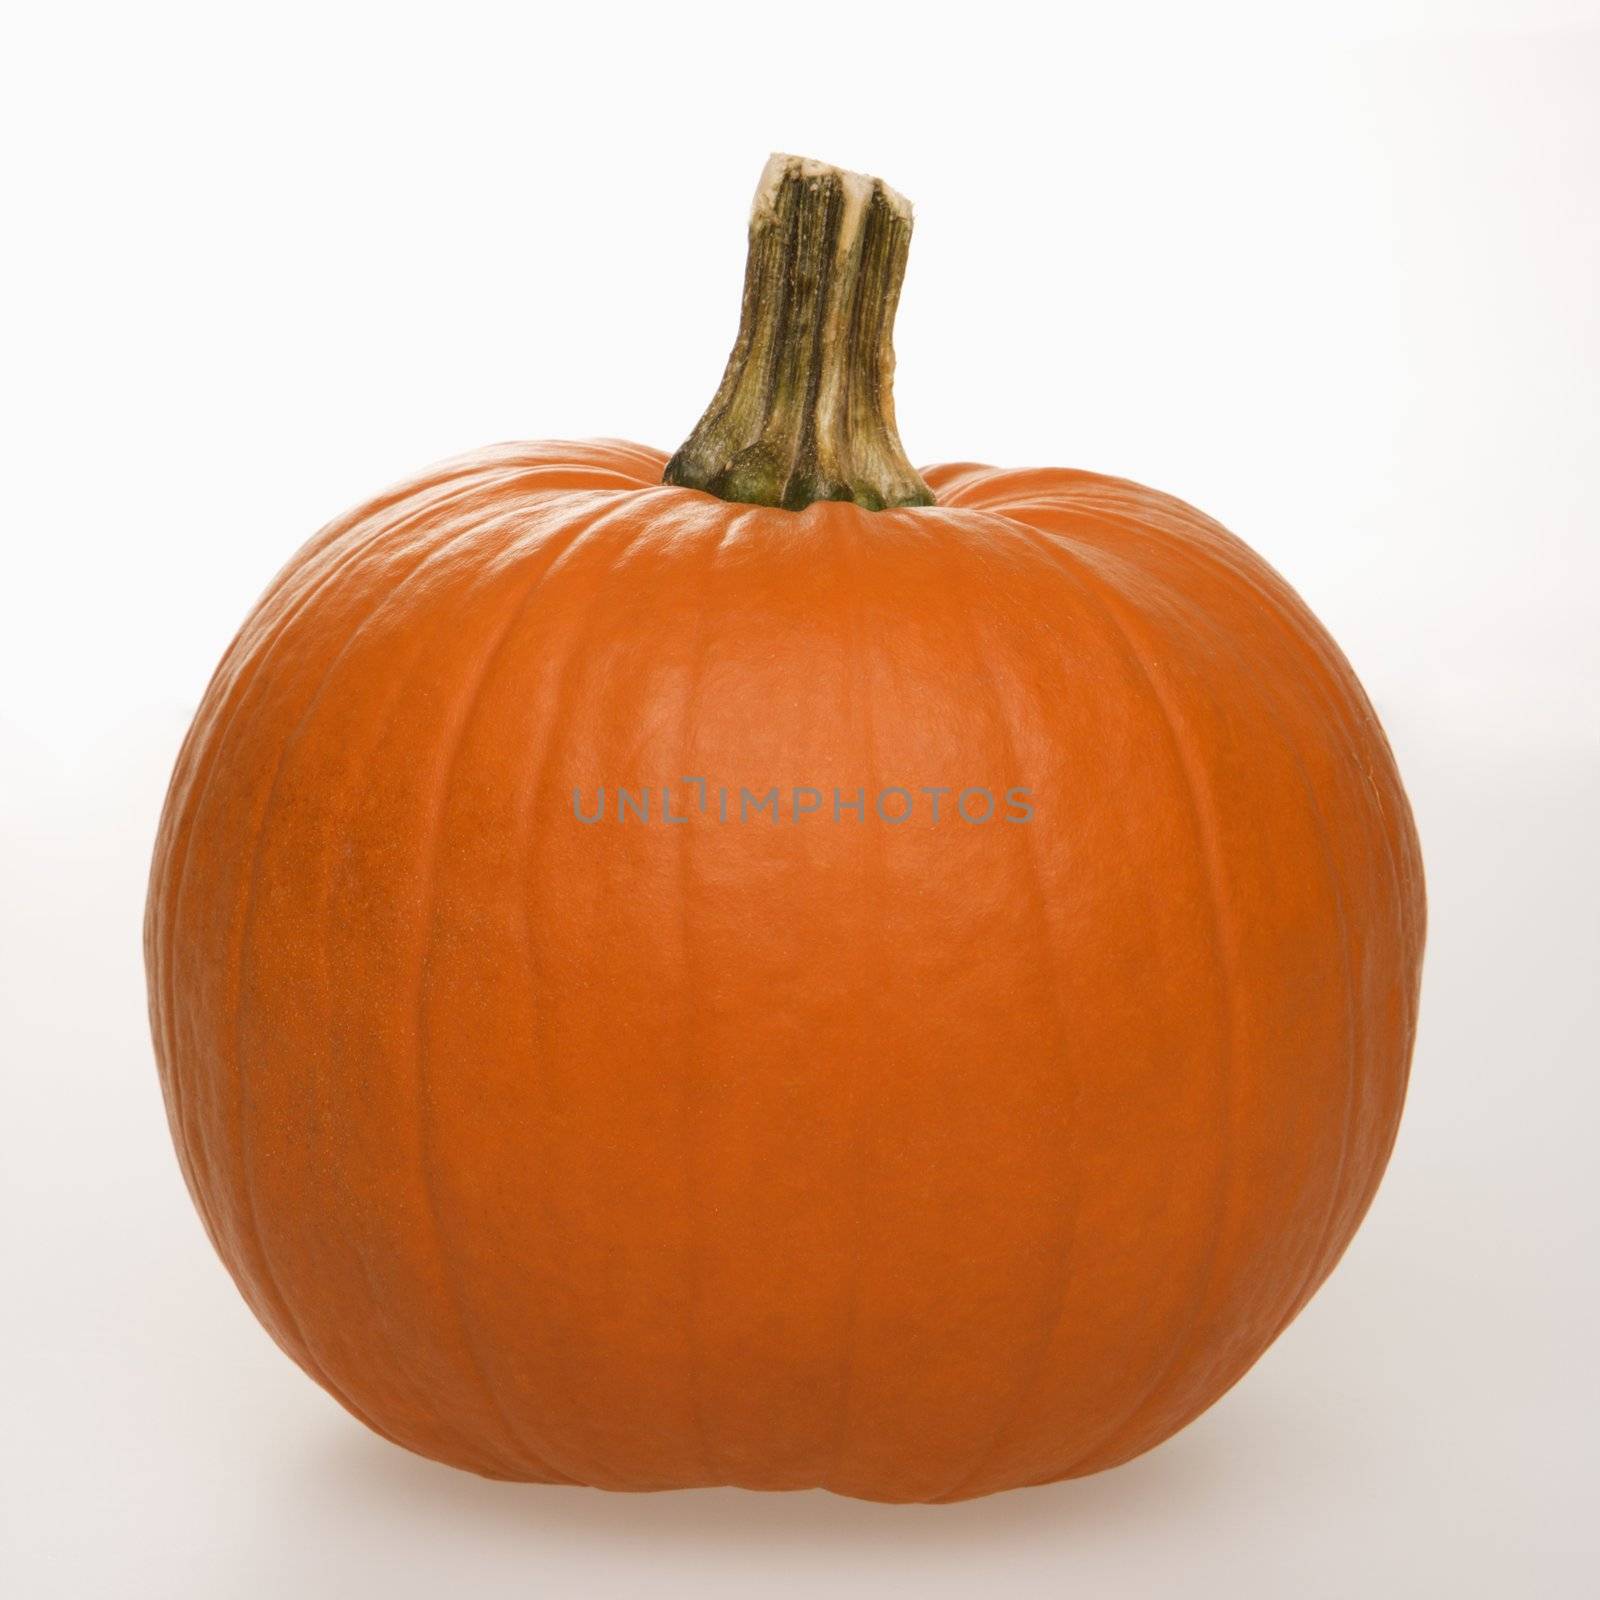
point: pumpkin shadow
(378, 1480)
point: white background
(1329, 273)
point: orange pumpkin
(798, 974)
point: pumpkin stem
(805, 410)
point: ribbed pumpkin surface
(917, 1161)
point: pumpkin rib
(694, 1356)
(1348, 695)
(1337, 693)
(953, 481)
(1394, 812)
(1314, 1270)
(429, 551)
(1348, 699)
(202, 747)
(1337, 1192)
(613, 509)
(857, 636)
(198, 749)
(456, 727)
(714, 533)
(574, 652)
(1343, 693)
(443, 477)
(577, 651)
(1319, 1264)
(726, 533)
(650, 461)
(1039, 900)
(314, 1363)
(395, 595)
(544, 751)
(1338, 1238)
(353, 1246)
(1205, 835)
(252, 659)
(510, 517)
(1338, 696)
(1060, 551)
(1198, 557)
(697, 527)
(1342, 696)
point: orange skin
(916, 1162)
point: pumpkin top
(805, 409)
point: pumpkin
(771, 968)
